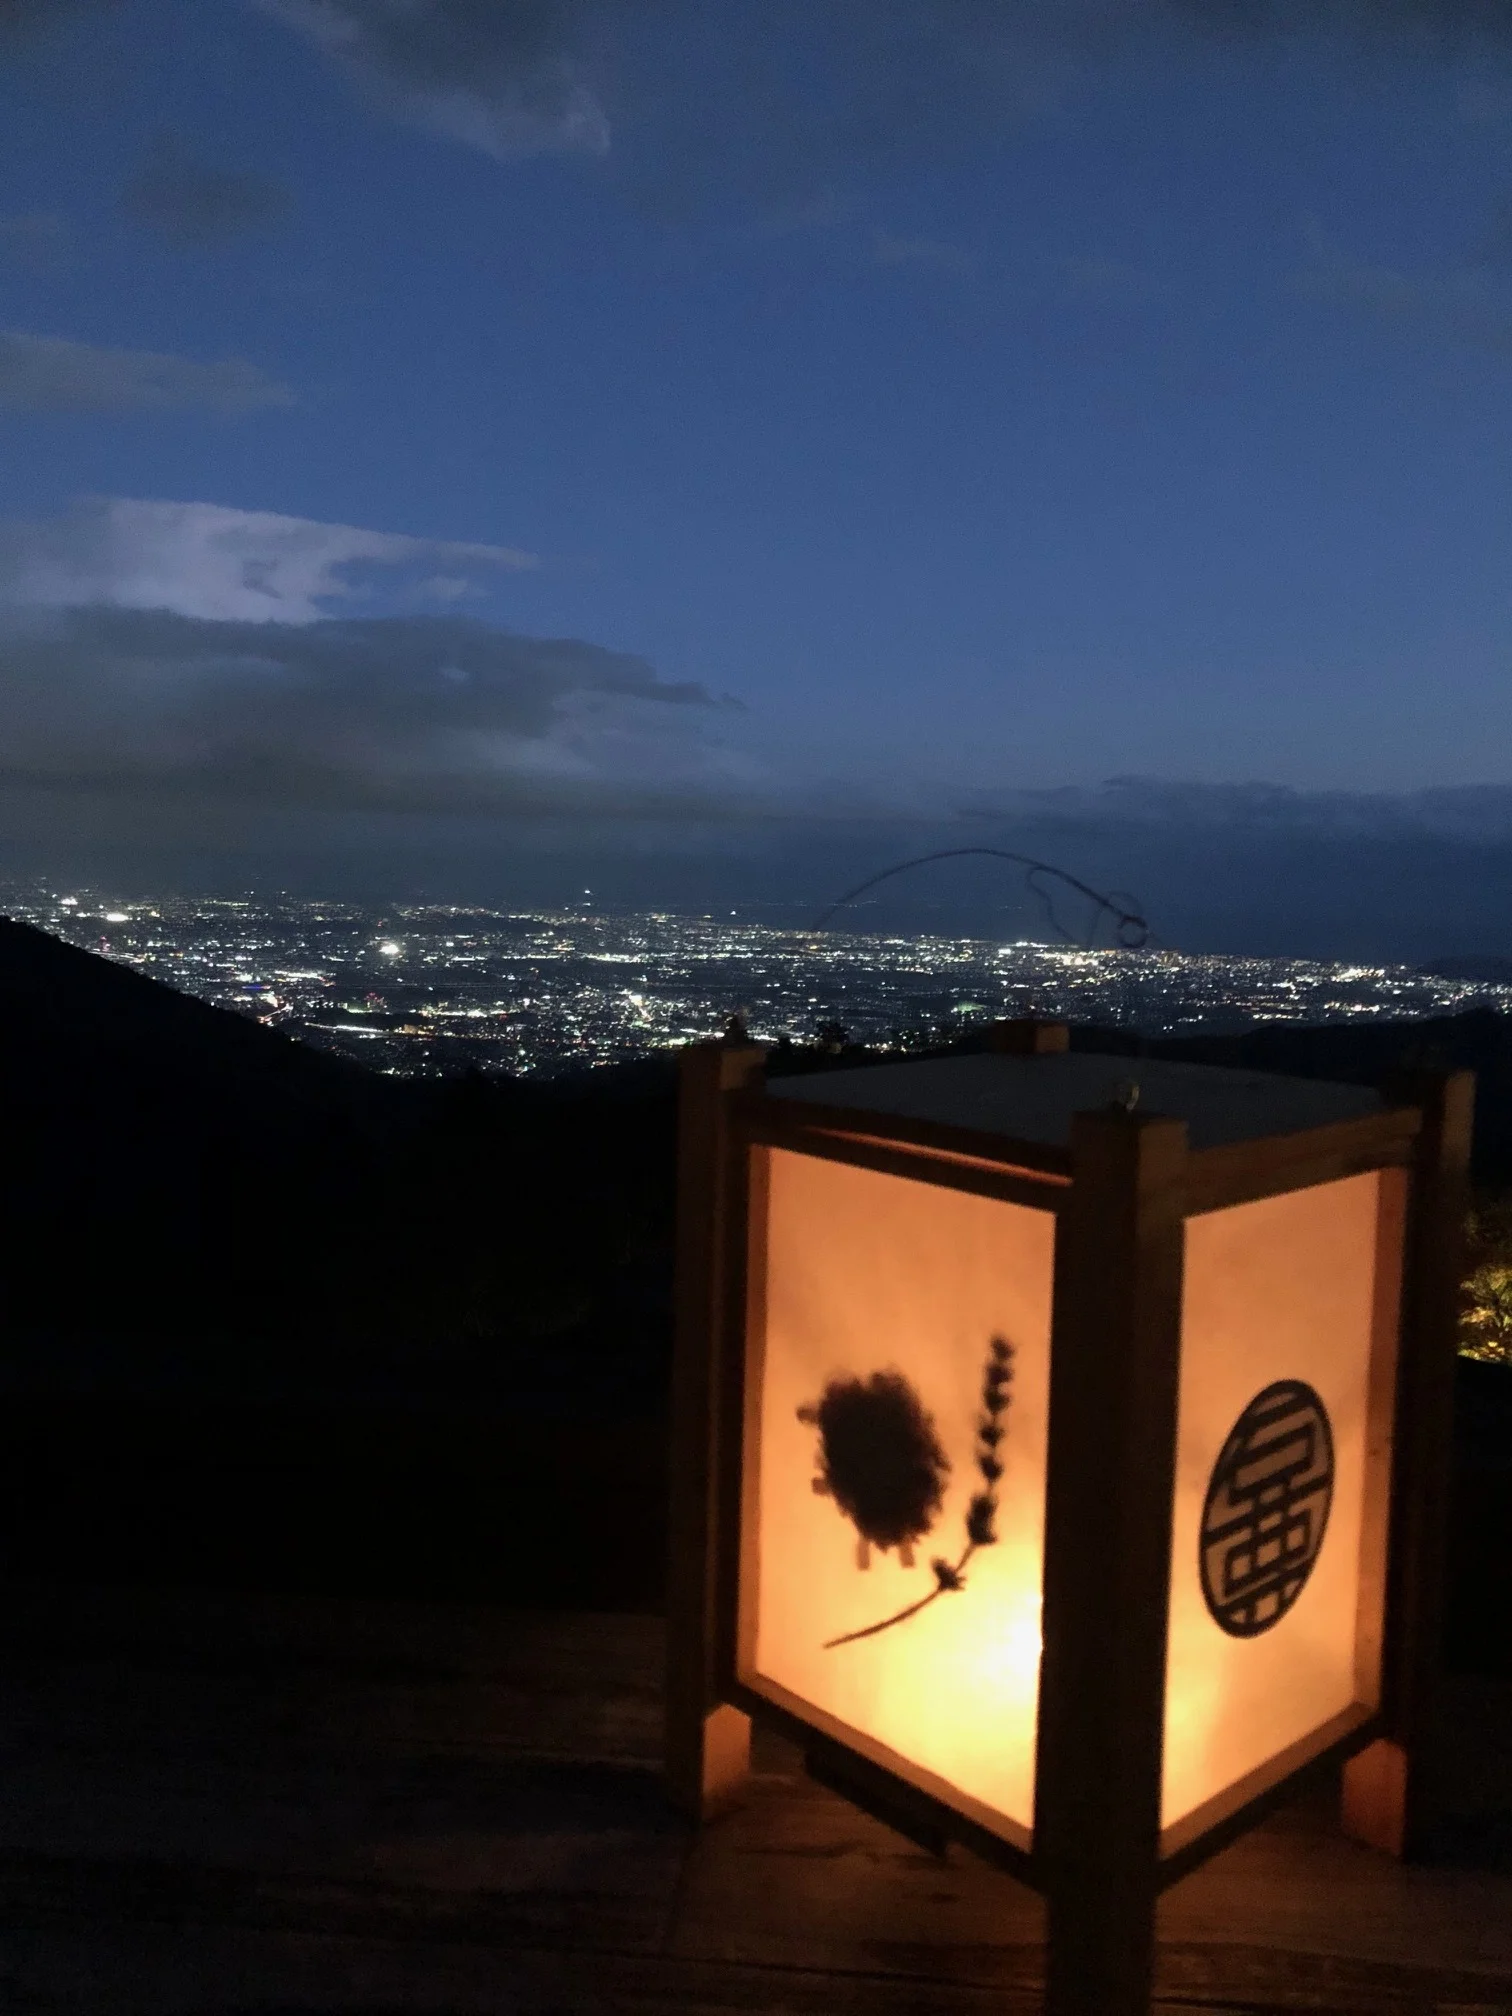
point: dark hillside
(64, 1005)
(147, 1138)
(189, 1191)
(273, 1321)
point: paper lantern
(1034, 1455)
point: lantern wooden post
(1115, 1369)
(707, 1741)
(1391, 1793)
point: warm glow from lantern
(1280, 1290)
(869, 1273)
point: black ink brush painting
(881, 1461)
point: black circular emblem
(1267, 1508)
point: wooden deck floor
(227, 1804)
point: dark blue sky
(864, 410)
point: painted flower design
(880, 1460)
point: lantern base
(708, 1774)
(1374, 1810)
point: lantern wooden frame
(1120, 1193)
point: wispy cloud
(194, 203)
(52, 374)
(692, 93)
(213, 562)
(503, 76)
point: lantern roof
(1034, 1098)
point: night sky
(480, 446)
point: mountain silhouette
(188, 1190)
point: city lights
(425, 989)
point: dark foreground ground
(352, 1705)
(411, 1496)
(215, 1805)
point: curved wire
(1131, 927)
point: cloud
(776, 104)
(194, 204)
(1475, 813)
(392, 714)
(504, 76)
(51, 374)
(210, 561)
(156, 653)
(1262, 868)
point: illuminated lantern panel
(1274, 1622)
(899, 1372)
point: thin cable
(1131, 928)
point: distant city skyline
(487, 443)
(417, 990)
